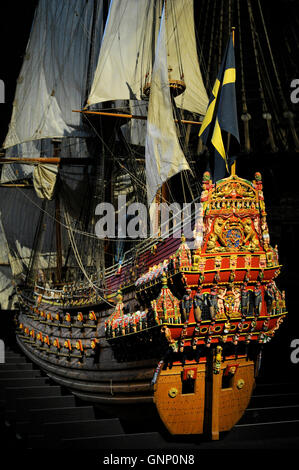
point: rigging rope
(79, 260)
(220, 36)
(245, 116)
(272, 58)
(176, 39)
(211, 43)
(201, 44)
(266, 115)
(143, 245)
(287, 113)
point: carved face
(247, 225)
(190, 374)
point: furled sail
(6, 286)
(126, 56)
(44, 180)
(23, 206)
(53, 77)
(17, 171)
(163, 154)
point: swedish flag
(221, 113)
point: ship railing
(39, 289)
(131, 323)
(60, 293)
(147, 245)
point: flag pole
(233, 167)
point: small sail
(44, 180)
(6, 287)
(182, 56)
(53, 77)
(20, 215)
(163, 154)
(125, 52)
(126, 56)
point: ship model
(174, 322)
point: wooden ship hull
(183, 328)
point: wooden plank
(39, 417)
(234, 400)
(129, 116)
(76, 429)
(181, 412)
(54, 160)
(32, 382)
(108, 371)
(110, 388)
(24, 406)
(216, 384)
(19, 374)
(13, 393)
(16, 366)
(130, 441)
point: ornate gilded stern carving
(234, 217)
(220, 291)
(167, 306)
(183, 255)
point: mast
(134, 52)
(221, 114)
(37, 244)
(56, 150)
(233, 167)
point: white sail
(163, 154)
(181, 41)
(54, 74)
(126, 56)
(125, 51)
(6, 287)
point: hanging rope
(245, 117)
(220, 36)
(272, 96)
(79, 260)
(229, 15)
(272, 59)
(211, 44)
(286, 112)
(174, 21)
(266, 115)
(202, 43)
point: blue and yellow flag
(221, 113)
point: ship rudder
(206, 398)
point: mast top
(233, 166)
